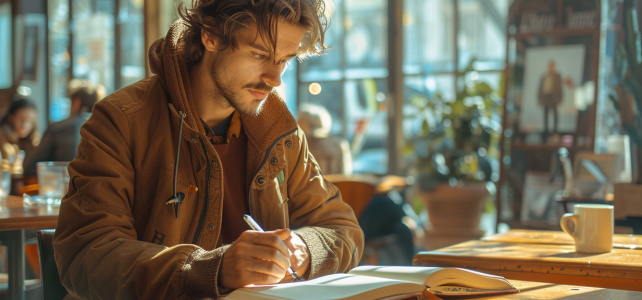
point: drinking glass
(53, 180)
(5, 183)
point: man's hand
(256, 258)
(299, 256)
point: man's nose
(272, 75)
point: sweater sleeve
(327, 225)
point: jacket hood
(166, 60)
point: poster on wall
(551, 74)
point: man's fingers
(269, 239)
(262, 278)
(266, 267)
(284, 233)
(270, 254)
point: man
(168, 166)
(332, 155)
(61, 139)
(550, 94)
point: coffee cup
(591, 226)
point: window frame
(396, 75)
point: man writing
(168, 166)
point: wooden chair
(52, 289)
(356, 191)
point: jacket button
(274, 161)
(288, 144)
(210, 227)
(194, 140)
(214, 163)
(260, 180)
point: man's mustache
(260, 87)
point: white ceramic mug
(593, 230)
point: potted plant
(453, 154)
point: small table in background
(545, 256)
(14, 220)
(549, 291)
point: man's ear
(209, 42)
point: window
(93, 42)
(353, 74)
(99, 40)
(352, 79)
(132, 42)
(59, 59)
(6, 73)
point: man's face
(244, 77)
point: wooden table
(548, 291)
(14, 220)
(620, 241)
(542, 262)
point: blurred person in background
(17, 132)
(332, 155)
(61, 139)
(387, 213)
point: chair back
(52, 289)
(356, 191)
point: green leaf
(425, 128)
(483, 88)
(408, 150)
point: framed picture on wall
(551, 75)
(30, 64)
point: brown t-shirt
(232, 150)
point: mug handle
(564, 221)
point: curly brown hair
(223, 18)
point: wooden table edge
(40, 222)
(569, 273)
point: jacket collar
(262, 130)
(274, 121)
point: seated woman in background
(332, 155)
(17, 132)
(61, 139)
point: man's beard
(227, 95)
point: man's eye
(285, 62)
(258, 56)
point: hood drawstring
(177, 198)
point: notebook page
(406, 273)
(435, 276)
(335, 286)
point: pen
(255, 226)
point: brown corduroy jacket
(117, 239)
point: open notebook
(377, 282)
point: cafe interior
(500, 136)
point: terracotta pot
(454, 213)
